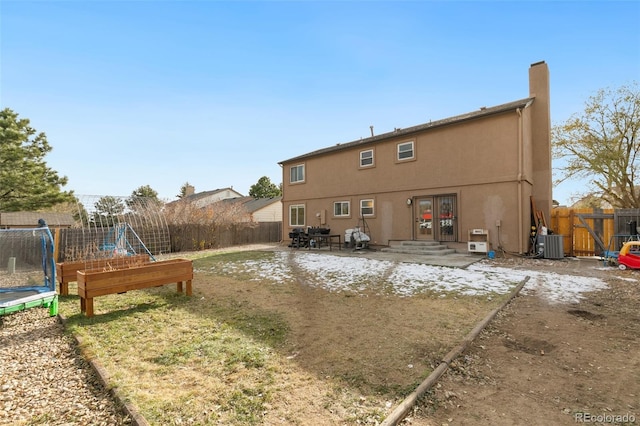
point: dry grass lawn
(248, 349)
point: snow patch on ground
(352, 274)
(556, 288)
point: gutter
(520, 167)
(521, 225)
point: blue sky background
(216, 93)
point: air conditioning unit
(551, 246)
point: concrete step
(412, 243)
(427, 248)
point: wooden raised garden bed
(66, 272)
(93, 283)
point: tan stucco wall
(479, 206)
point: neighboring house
(204, 199)
(256, 209)
(260, 209)
(434, 181)
(30, 220)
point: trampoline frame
(13, 299)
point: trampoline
(27, 270)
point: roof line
(482, 112)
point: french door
(435, 218)
(423, 212)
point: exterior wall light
(409, 201)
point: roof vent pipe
(371, 127)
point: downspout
(520, 154)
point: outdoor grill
(299, 238)
(319, 231)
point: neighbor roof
(30, 219)
(252, 204)
(199, 195)
(482, 112)
(259, 203)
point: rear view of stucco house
(434, 181)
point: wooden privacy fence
(590, 232)
(202, 237)
(190, 237)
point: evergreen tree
(264, 189)
(107, 211)
(184, 190)
(142, 198)
(26, 183)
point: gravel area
(43, 378)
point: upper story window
(296, 215)
(297, 173)
(366, 207)
(405, 151)
(366, 158)
(341, 208)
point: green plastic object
(53, 306)
(50, 302)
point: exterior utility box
(478, 241)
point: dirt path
(541, 363)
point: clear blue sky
(216, 93)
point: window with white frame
(341, 208)
(297, 173)
(405, 151)
(296, 215)
(366, 158)
(366, 207)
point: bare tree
(603, 145)
(184, 212)
(225, 213)
(219, 214)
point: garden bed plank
(100, 283)
(66, 272)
